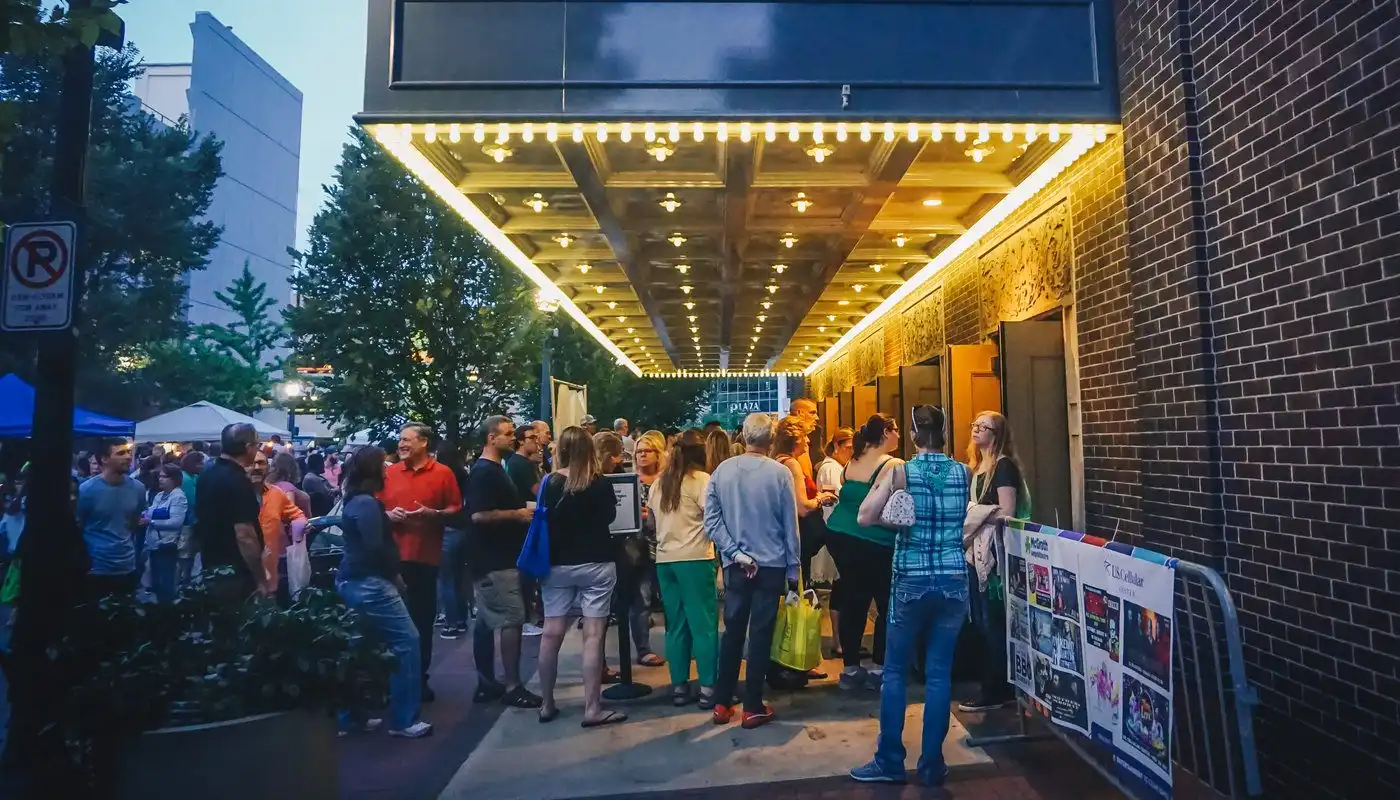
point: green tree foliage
(149, 186)
(408, 305)
(613, 391)
(230, 364)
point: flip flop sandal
(652, 660)
(612, 718)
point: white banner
(570, 405)
(1089, 634)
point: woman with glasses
(929, 598)
(863, 552)
(649, 457)
(996, 481)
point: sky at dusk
(318, 45)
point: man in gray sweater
(751, 514)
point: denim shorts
(579, 589)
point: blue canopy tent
(17, 414)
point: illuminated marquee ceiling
(739, 246)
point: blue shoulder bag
(534, 556)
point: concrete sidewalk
(819, 732)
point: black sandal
(706, 700)
(549, 716)
(520, 697)
(681, 696)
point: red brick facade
(1261, 178)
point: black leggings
(865, 569)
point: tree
(230, 365)
(149, 187)
(614, 391)
(409, 306)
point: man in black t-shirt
(499, 520)
(226, 515)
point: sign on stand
(37, 282)
(629, 503)
(1090, 638)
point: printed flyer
(1090, 637)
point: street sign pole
(55, 562)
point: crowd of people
(731, 524)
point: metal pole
(546, 389)
(56, 561)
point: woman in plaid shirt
(929, 598)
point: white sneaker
(370, 726)
(530, 629)
(415, 731)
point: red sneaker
(723, 714)
(753, 719)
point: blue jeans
(163, 583)
(750, 609)
(989, 616)
(929, 610)
(386, 617)
(454, 586)
(639, 615)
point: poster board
(1090, 632)
(629, 503)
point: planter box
(270, 755)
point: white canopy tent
(200, 422)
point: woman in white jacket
(163, 521)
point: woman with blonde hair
(685, 568)
(718, 448)
(996, 481)
(579, 507)
(649, 457)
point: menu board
(629, 504)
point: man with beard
(499, 520)
(419, 494)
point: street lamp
(292, 391)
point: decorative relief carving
(868, 359)
(821, 384)
(1029, 271)
(921, 327)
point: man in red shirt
(419, 494)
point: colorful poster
(1090, 635)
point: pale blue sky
(318, 45)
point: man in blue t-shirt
(109, 511)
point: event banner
(1090, 638)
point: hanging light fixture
(621, 319)
(598, 289)
(498, 152)
(686, 288)
(584, 268)
(692, 317)
(820, 152)
(801, 202)
(978, 151)
(772, 288)
(537, 202)
(682, 268)
(565, 239)
(689, 305)
(830, 317)
(766, 305)
(778, 268)
(900, 240)
(821, 329)
(676, 239)
(857, 287)
(669, 202)
(612, 304)
(661, 149)
(788, 240)
(876, 267)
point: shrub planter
(289, 754)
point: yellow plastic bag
(797, 638)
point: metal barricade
(1213, 702)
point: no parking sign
(37, 281)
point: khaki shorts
(579, 589)
(499, 602)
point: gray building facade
(229, 91)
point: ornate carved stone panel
(921, 327)
(1029, 271)
(869, 359)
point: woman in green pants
(685, 568)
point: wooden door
(828, 415)
(845, 413)
(887, 398)
(865, 404)
(918, 386)
(971, 386)
(1037, 408)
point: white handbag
(899, 508)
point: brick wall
(1264, 230)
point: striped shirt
(933, 546)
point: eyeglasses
(647, 450)
(980, 427)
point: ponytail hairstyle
(873, 432)
(687, 455)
